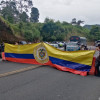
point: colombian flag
(77, 62)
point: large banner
(77, 62)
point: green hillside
(6, 32)
(16, 24)
(47, 31)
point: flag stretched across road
(77, 62)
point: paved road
(47, 83)
(6, 66)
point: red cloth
(3, 56)
(62, 68)
(93, 69)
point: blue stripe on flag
(22, 56)
(69, 64)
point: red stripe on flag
(70, 70)
(62, 68)
(93, 69)
(28, 61)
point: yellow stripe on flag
(82, 57)
(20, 49)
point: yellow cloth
(82, 57)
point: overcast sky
(66, 10)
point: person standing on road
(16, 43)
(2, 47)
(2, 51)
(85, 48)
(97, 63)
(64, 46)
(82, 47)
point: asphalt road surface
(46, 83)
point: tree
(20, 28)
(9, 11)
(34, 15)
(28, 35)
(95, 33)
(32, 35)
(24, 17)
(47, 20)
(52, 31)
(73, 22)
(53, 38)
(18, 10)
(94, 29)
(79, 22)
(23, 5)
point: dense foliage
(48, 31)
(52, 31)
(27, 27)
(94, 33)
(15, 11)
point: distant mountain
(90, 26)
